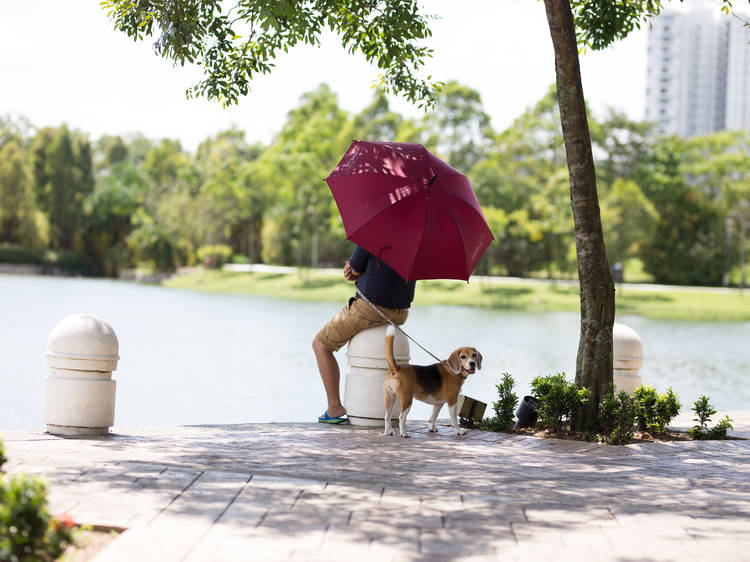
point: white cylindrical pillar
(363, 393)
(627, 358)
(79, 393)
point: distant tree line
(678, 208)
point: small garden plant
(617, 417)
(558, 399)
(620, 414)
(654, 411)
(27, 531)
(703, 412)
(505, 406)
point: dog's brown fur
(435, 384)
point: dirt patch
(638, 436)
(88, 544)
(565, 433)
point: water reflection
(192, 358)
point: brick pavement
(316, 492)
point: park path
(317, 492)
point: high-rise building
(738, 77)
(698, 77)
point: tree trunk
(597, 290)
(742, 252)
(727, 250)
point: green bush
(505, 407)
(27, 531)
(240, 259)
(617, 417)
(3, 458)
(69, 262)
(14, 253)
(703, 412)
(214, 256)
(654, 411)
(558, 399)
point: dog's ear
(479, 360)
(454, 362)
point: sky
(63, 62)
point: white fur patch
(390, 331)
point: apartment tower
(698, 78)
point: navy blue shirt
(379, 283)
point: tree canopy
(236, 46)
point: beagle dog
(434, 384)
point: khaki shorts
(357, 315)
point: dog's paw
(460, 431)
(388, 432)
(405, 434)
(432, 429)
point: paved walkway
(316, 492)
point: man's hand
(349, 273)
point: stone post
(627, 358)
(79, 393)
(363, 392)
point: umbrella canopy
(403, 204)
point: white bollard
(79, 393)
(363, 393)
(627, 358)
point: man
(385, 289)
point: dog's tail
(390, 335)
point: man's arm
(349, 273)
(356, 264)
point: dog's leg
(402, 421)
(390, 404)
(431, 422)
(405, 399)
(454, 420)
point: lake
(196, 358)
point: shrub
(558, 399)
(719, 431)
(703, 412)
(69, 262)
(27, 531)
(14, 253)
(617, 416)
(240, 258)
(654, 411)
(505, 406)
(214, 256)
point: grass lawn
(526, 296)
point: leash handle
(392, 323)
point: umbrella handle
(380, 253)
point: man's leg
(329, 372)
(351, 319)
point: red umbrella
(403, 204)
